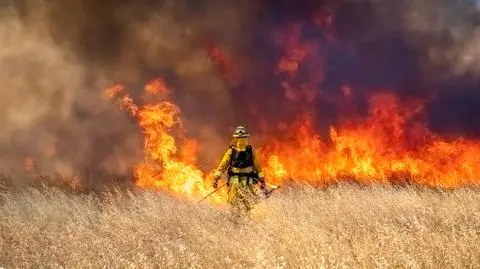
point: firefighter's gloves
(215, 181)
(216, 178)
(263, 185)
(261, 179)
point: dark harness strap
(252, 177)
(250, 174)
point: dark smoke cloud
(428, 49)
(420, 49)
(57, 56)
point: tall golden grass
(345, 226)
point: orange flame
(165, 166)
(381, 149)
(389, 147)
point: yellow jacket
(225, 162)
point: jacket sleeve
(224, 163)
(257, 165)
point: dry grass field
(340, 227)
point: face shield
(240, 142)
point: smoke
(51, 109)
(445, 33)
(417, 49)
(57, 56)
(444, 37)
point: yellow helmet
(240, 132)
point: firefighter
(241, 163)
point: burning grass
(392, 145)
(300, 227)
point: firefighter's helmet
(240, 132)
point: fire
(386, 147)
(391, 145)
(165, 166)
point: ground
(344, 226)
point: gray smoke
(56, 57)
(447, 33)
(51, 110)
